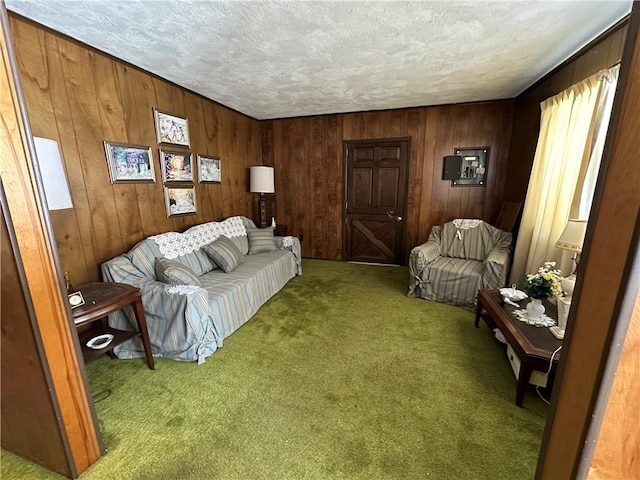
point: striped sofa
(458, 259)
(189, 322)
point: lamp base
(262, 210)
(557, 332)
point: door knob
(398, 219)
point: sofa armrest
(292, 244)
(179, 317)
(121, 270)
(419, 259)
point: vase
(535, 308)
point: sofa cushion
(143, 256)
(224, 253)
(237, 296)
(172, 272)
(454, 281)
(261, 240)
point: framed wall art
(180, 200)
(129, 163)
(171, 129)
(176, 166)
(209, 169)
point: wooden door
(376, 173)
(41, 278)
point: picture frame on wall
(176, 166)
(209, 169)
(129, 163)
(171, 129)
(180, 200)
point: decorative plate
(100, 341)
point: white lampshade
(261, 180)
(54, 180)
(572, 236)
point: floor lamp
(571, 239)
(261, 182)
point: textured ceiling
(277, 59)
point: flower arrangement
(545, 283)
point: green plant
(545, 283)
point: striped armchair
(458, 259)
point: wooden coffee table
(533, 345)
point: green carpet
(339, 376)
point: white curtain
(573, 128)
(610, 80)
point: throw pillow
(175, 273)
(224, 253)
(261, 240)
(241, 243)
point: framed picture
(180, 200)
(209, 169)
(129, 163)
(171, 129)
(176, 166)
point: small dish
(101, 341)
(513, 294)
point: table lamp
(261, 182)
(571, 239)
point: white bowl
(101, 341)
(513, 294)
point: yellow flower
(544, 283)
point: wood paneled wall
(308, 157)
(526, 125)
(80, 97)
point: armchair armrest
(419, 259)
(496, 268)
(425, 253)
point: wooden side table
(280, 230)
(101, 299)
(533, 345)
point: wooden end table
(280, 230)
(533, 345)
(101, 299)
